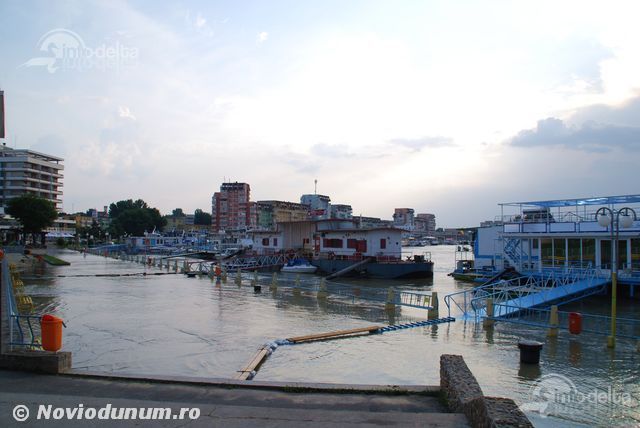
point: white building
(29, 172)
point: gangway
(512, 296)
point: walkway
(225, 403)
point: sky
(445, 107)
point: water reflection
(170, 324)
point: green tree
(134, 218)
(178, 213)
(201, 217)
(33, 212)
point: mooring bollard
(296, 286)
(390, 304)
(322, 290)
(553, 321)
(489, 321)
(175, 266)
(238, 277)
(434, 313)
(224, 274)
(530, 351)
(254, 281)
(274, 282)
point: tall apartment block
(404, 218)
(27, 171)
(231, 209)
(426, 223)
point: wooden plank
(333, 334)
(255, 362)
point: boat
(576, 237)
(374, 253)
(299, 266)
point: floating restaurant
(564, 234)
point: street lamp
(609, 217)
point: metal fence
(591, 323)
(24, 330)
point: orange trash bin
(575, 323)
(51, 328)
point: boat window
(332, 243)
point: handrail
(13, 314)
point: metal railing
(591, 323)
(22, 331)
(536, 286)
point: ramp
(527, 292)
(539, 297)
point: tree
(178, 213)
(33, 212)
(134, 218)
(201, 217)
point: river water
(173, 325)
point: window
(332, 243)
(546, 252)
(352, 243)
(383, 243)
(588, 252)
(275, 242)
(265, 242)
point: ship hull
(397, 270)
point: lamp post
(610, 217)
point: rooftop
(600, 200)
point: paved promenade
(220, 403)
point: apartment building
(26, 171)
(270, 213)
(231, 208)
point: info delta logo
(63, 49)
(557, 395)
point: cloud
(261, 37)
(199, 24)
(417, 144)
(124, 112)
(331, 150)
(593, 128)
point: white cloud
(262, 37)
(124, 112)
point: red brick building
(231, 209)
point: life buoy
(331, 255)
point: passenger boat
(299, 266)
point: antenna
(315, 186)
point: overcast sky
(445, 107)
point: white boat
(298, 266)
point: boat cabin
(379, 242)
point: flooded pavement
(173, 325)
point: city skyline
(447, 109)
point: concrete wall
(462, 393)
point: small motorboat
(298, 266)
